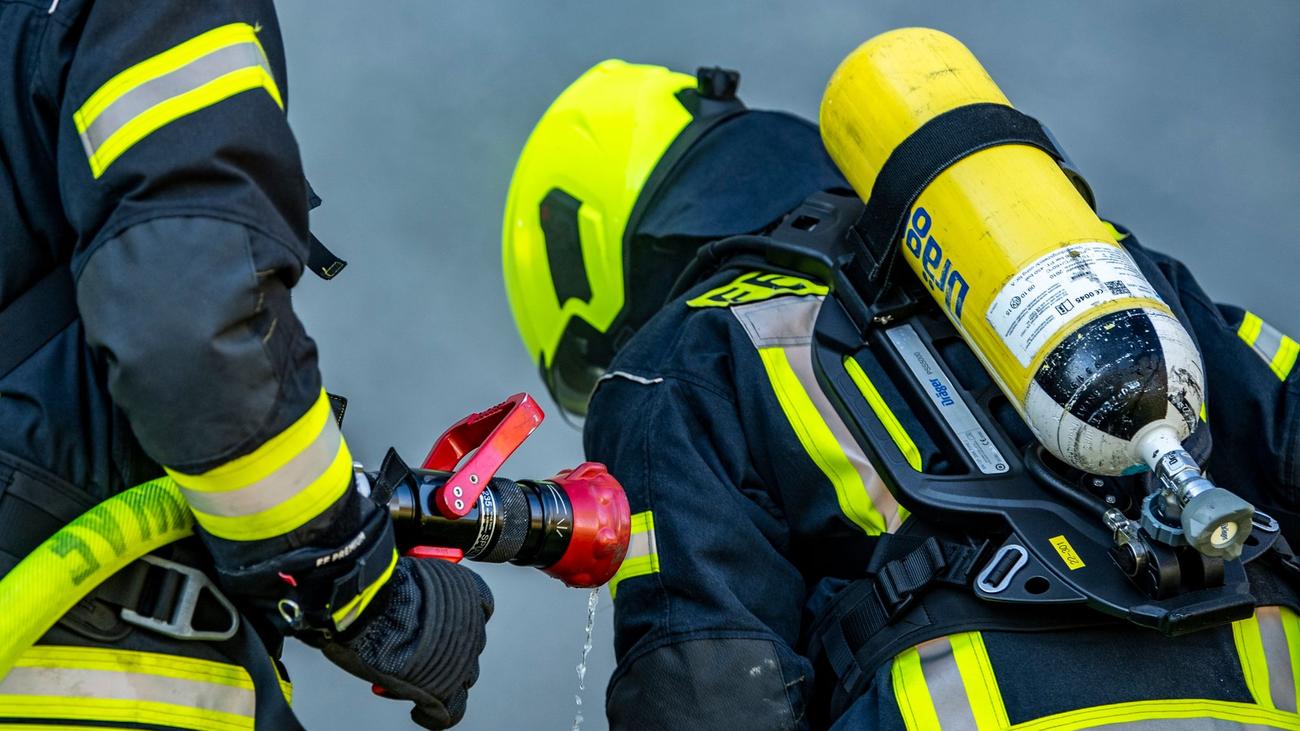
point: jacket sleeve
(180, 174)
(1252, 393)
(707, 604)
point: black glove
(422, 644)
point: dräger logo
(937, 270)
(940, 390)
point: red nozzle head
(602, 526)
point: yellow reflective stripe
(169, 715)
(286, 687)
(348, 613)
(203, 88)
(756, 287)
(981, 684)
(1138, 712)
(1254, 664)
(131, 661)
(1277, 350)
(642, 551)
(912, 694)
(266, 459)
(884, 413)
(68, 683)
(1291, 627)
(60, 727)
(279, 486)
(1284, 360)
(1114, 232)
(1249, 329)
(1205, 410)
(820, 443)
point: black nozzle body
(528, 523)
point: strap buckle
(901, 580)
(178, 597)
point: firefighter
(153, 219)
(753, 505)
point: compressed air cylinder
(1078, 340)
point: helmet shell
(573, 190)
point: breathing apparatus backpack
(1027, 395)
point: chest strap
(918, 589)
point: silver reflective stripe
(642, 544)
(1202, 723)
(788, 322)
(1281, 679)
(274, 489)
(783, 321)
(943, 680)
(1268, 342)
(631, 377)
(187, 78)
(111, 684)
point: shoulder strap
(933, 148)
(32, 320)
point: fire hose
(574, 526)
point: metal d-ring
(981, 581)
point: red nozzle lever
(495, 433)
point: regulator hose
(82, 555)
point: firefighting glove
(422, 643)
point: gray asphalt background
(410, 115)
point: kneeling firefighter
(776, 393)
(153, 218)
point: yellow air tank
(1102, 372)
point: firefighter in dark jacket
(153, 218)
(752, 502)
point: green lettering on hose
(105, 525)
(155, 510)
(66, 542)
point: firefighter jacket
(145, 153)
(752, 503)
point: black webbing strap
(902, 568)
(32, 320)
(917, 590)
(323, 262)
(927, 152)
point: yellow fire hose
(84, 553)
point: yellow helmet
(588, 169)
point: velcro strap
(338, 405)
(927, 152)
(318, 581)
(32, 320)
(325, 263)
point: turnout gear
(759, 519)
(153, 218)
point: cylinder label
(1048, 293)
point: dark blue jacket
(750, 498)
